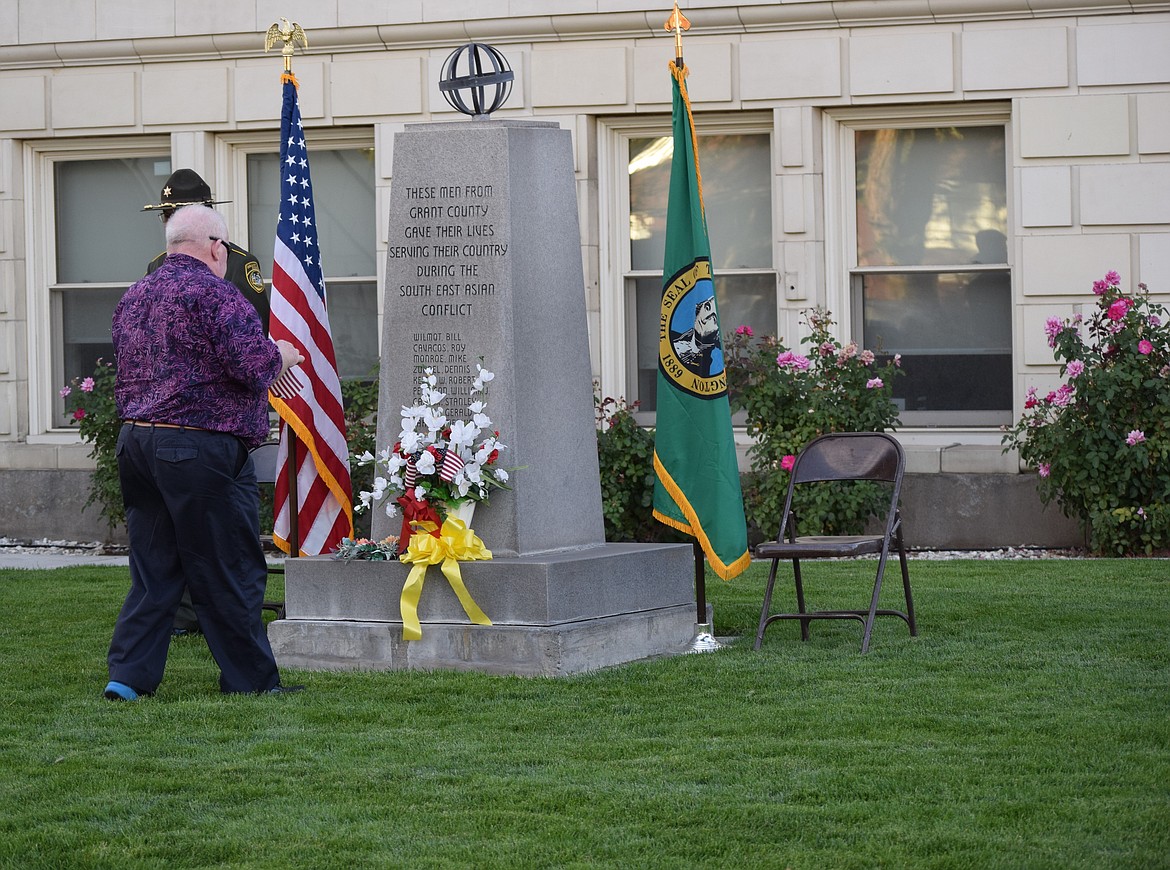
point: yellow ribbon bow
(456, 543)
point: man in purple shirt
(194, 368)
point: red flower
(79, 414)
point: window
(736, 165)
(928, 271)
(343, 197)
(92, 241)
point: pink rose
(790, 360)
(87, 385)
(744, 330)
(1117, 309)
(1052, 328)
(1144, 347)
(1044, 470)
(874, 384)
(1137, 436)
(787, 462)
(79, 414)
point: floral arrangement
(790, 398)
(90, 402)
(385, 550)
(437, 463)
(1100, 441)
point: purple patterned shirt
(190, 349)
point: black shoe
(283, 690)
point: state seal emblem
(690, 349)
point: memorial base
(552, 614)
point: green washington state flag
(697, 488)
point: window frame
(842, 271)
(617, 319)
(44, 327)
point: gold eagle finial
(290, 35)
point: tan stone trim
(776, 17)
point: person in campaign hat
(186, 187)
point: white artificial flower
(366, 498)
(484, 374)
(410, 440)
(501, 475)
(391, 509)
(482, 421)
(395, 463)
(463, 434)
(380, 484)
(366, 458)
(476, 407)
(426, 463)
(473, 472)
(435, 420)
(430, 379)
(411, 415)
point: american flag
(312, 412)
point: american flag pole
(313, 503)
(294, 530)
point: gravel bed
(62, 548)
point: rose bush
(790, 398)
(1100, 442)
(90, 402)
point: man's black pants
(192, 513)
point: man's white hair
(194, 224)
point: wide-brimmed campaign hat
(184, 187)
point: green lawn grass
(1028, 726)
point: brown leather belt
(151, 425)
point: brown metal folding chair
(846, 456)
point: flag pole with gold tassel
(290, 34)
(704, 639)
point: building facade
(941, 175)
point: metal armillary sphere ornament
(481, 71)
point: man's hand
(289, 355)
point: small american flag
(451, 465)
(312, 414)
(287, 385)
